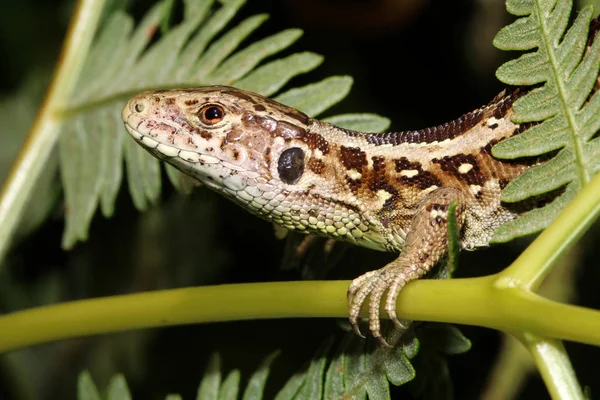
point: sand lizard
(388, 191)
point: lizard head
(266, 156)
(222, 136)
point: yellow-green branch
(467, 301)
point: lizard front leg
(426, 242)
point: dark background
(419, 63)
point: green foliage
(356, 369)
(564, 68)
(123, 61)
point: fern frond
(563, 109)
(122, 62)
(356, 368)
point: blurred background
(417, 62)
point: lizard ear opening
(291, 165)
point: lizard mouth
(134, 124)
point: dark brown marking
(315, 165)
(437, 207)
(259, 107)
(354, 184)
(422, 180)
(316, 141)
(378, 180)
(451, 165)
(403, 164)
(191, 102)
(353, 158)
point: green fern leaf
(122, 62)
(564, 112)
(256, 384)
(292, 386)
(211, 381)
(86, 389)
(117, 388)
(231, 386)
(313, 384)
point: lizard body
(388, 191)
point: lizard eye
(291, 165)
(211, 114)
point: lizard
(385, 191)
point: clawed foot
(392, 279)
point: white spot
(437, 213)
(318, 154)
(354, 174)
(383, 194)
(464, 168)
(475, 189)
(409, 173)
(189, 156)
(167, 150)
(493, 120)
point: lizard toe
(356, 297)
(390, 303)
(374, 304)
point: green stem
(555, 367)
(45, 131)
(532, 266)
(466, 301)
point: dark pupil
(212, 113)
(291, 165)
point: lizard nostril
(138, 107)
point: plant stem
(45, 131)
(555, 367)
(467, 301)
(532, 266)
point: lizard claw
(356, 300)
(374, 284)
